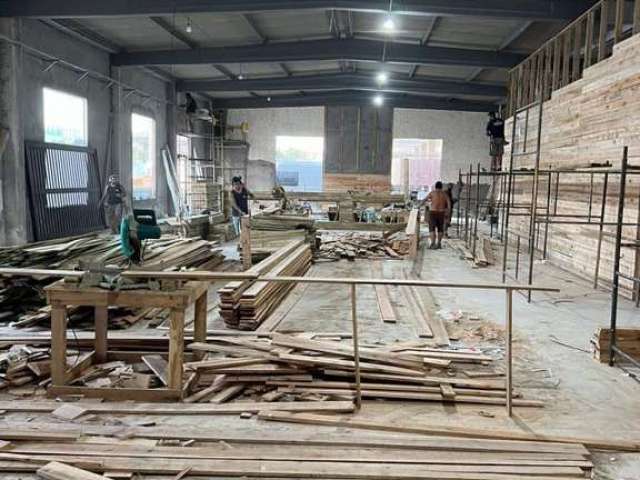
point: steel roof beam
(524, 9)
(338, 81)
(331, 49)
(347, 97)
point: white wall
(266, 124)
(463, 135)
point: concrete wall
(463, 135)
(267, 123)
(109, 112)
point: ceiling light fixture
(382, 78)
(240, 77)
(378, 100)
(189, 27)
(389, 25)
(268, 99)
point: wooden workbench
(60, 295)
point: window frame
(153, 153)
(85, 102)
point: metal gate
(63, 183)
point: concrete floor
(582, 397)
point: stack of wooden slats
(245, 305)
(223, 453)
(298, 367)
(627, 340)
(21, 298)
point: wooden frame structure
(60, 295)
(562, 59)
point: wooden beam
(463, 432)
(618, 28)
(578, 42)
(179, 408)
(588, 39)
(604, 27)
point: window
(143, 156)
(422, 156)
(65, 118)
(299, 163)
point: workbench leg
(58, 345)
(101, 315)
(200, 323)
(176, 348)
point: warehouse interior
(329, 239)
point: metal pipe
(509, 350)
(477, 214)
(466, 213)
(616, 258)
(505, 250)
(546, 226)
(603, 209)
(534, 200)
(517, 256)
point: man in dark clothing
(191, 106)
(115, 196)
(495, 132)
(239, 202)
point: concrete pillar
(13, 198)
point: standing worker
(495, 132)
(439, 209)
(115, 196)
(239, 202)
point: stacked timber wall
(587, 122)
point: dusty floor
(583, 397)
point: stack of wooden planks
(299, 367)
(62, 452)
(627, 340)
(245, 305)
(22, 297)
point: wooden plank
(578, 42)
(346, 364)
(227, 393)
(117, 394)
(323, 470)
(58, 345)
(636, 17)
(158, 366)
(447, 391)
(61, 471)
(430, 442)
(462, 432)
(101, 328)
(602, 32)
(305, 453)
(387, 314)
(588, 39)
(180, 409)
(176, 349)
(200, 321)
(245, 242)
(336, 348)
(619, 21)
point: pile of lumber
(296, 367)
(73, 451)
(627, 340)
(244, 305)
(352, 245)
(21, 298)
(224, 454)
